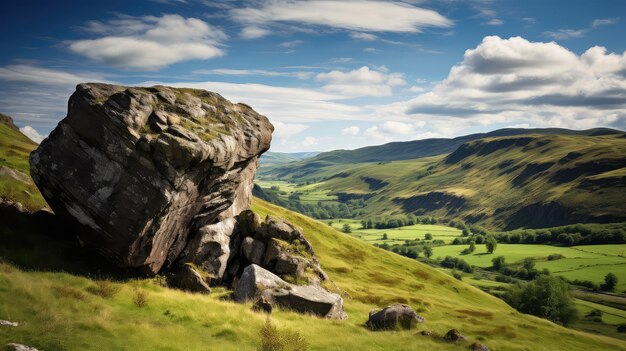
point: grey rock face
(393, 316)
(258, 283)
(138, 166)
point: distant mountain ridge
(505, 179)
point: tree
(472, 247)
(465, 232)
(385, 237)
(547, 297)
(491, 244)
(347, 228)
(330, 223)
(428, 251)
(498, 263)
(610, 282)
(363, 224)
(428, 236)
(370, 225)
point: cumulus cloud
(309, 141)
(366, 16)
(32, 134)
(150, 43)
(517, 81)
(361, 81)
(376, 135)
(352, 131)
(394, 127)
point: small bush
(140, 298)
(273, 339)
(554, 257)
(104, 288)
(621, 328)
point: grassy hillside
(271, 159)
(407, 150)
(62, 311)
(527, 181)
(15, 181)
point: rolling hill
(503, 182)
(271, 159)
(63, 304)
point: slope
(311, 167)
(62, 311)
(15, 181)
(509, 182)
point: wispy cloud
(361, 82)
(563, 34)
(254, 72)
(359, 15)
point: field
(61, 311)
(579, 262)
(398, 235)
(309, 193)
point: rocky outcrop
(394, 316)
(143, 168)
(18, 347)
(478, 347)
(160, 179)
(453, 335)
(8, 121)
(258, 284)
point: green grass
(59, 311)
(397, 235)
(15, 148)
(311, 193)
(580, 262)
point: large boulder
(143, 168)
(393, 316)
(259, 284)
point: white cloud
(150, 43)
(416, 89)
(254, 32)
(494, 22)
(368, 16)
(32, 134)
(361, 81)
(372, 50)
(376, 135)
(517, 81)
(291, 44)
(394, 127)
(309, 141)
(44, 76)
(253, 72)
(363, 36)
(286, 130)
(562, 34)
(604, 22)
(352, 131)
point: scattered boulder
(19, 347)
(426, 333)
(258, 283)
(143, 168)
(4, 323)
(478, 347)
(393, 316)
(453, 335)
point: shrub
(140, 298)
(428, 251)
(273, 339)
(104, 288)
(554, 257)
(347, 228)
(498, 263)
(621, 328)
(547, 297)
(428, 236)
(610, 281)
(491, 244)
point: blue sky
(331, 74)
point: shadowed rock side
(144, 167)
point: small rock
(262, 304)
(453, 335)
(8, 323)
(478, 347)
(425, 333)
(253, 250)
(19, 347)
(392, 316)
